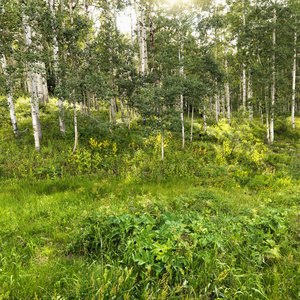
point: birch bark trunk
(227, 94)
(181, 104)
(162, 146)
(294, 82)
(10, 98)
(36, 124)
(73, 93)
(75, 127)
(217, 100)
(192, 123)
(244, 66)
(204, 118)
(141, 44)
(244, 88)
(267, 116)
(60, 103)
(273, 90)
(223, 105)
(34, 115)
(250, 96)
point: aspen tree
(294, 80)
(227, 94)
(244, 66)
(72, 95)
(9, 97)
(192, 123)
(181, 98)
(204, 118)
(60, 103)
(273, 88)
(33, 102)
(249, 97)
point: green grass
(224, 243)
(218, 220)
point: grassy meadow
(217, 220)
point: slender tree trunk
(10, 98)
(244, 66)
(144, 40)
(182, 121)
(244, 88)
(112, 109)
(227, 93)
(192, 123)
(33, 105)
(131, 28)
(217, 99)
(60, 103)
(181, 101)
(204, 118)
(81, 108)
(273, 90)
(75, 127)
(223, 106)
(267, 118)
(141, 44)
(37, 112)
(122, 109)
(45, 86)
(217, 103)
(261, 113)
(162, 146)
(294, 82)
(36, 124)
(250, 96)
(39, 81)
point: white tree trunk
(223, 105)
(181, 102)
(10, 98)
(37, 131)
(75, 127)
(60, 103)
(162, 146)
(182, 120)
(244, 88)
(192, 123)
(122, 109)
(273, 90)
(217, 100)
(145, 55)
(140, 38)
(294, 82)
(244, 66)
(204, 118)
(250, 96)
(227, 94)
(112, 109)
(39, 84)
(45, 86)
(261, 113)
(33, 105)
(81, 108)
(267, 118)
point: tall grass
(218, 220)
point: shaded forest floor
(217, 220)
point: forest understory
(217, 220)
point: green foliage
(217, 219)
